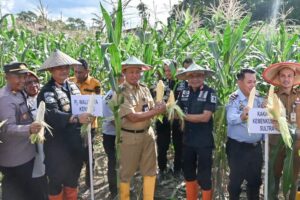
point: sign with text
(260, 122)
(79, 104)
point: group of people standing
(51, 170)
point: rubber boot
(192, 190)
(70, 193)
(298, 195)
(206, 194)
(124, 191)
(148, 187)
(60, 196)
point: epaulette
(233, 96)
(143, 85)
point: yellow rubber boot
(124, 191)
(149, 187)
(298, 195)
(192, 189)
(59, 196)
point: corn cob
(276, 111)
(160, 90)
(40, 136)
(251, 98)
(174, 111)
(85, 127)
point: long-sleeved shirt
(15, 148)
(236, 128)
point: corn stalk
(112, 62)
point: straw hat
(135, 62)
(193, 68)
(58, 58)
(270, 74)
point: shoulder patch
(213, 98)
(49, 97)
(233, 96)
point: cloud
(84, 9)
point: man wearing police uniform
(88, 85)
(64, 150)
(243, 150)
(198, 102)
(137, 148)
(286, 75)
(164, 130)
(16, 152)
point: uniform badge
(185, 93)
(213, 98)
(241, 106)
(202, 96)
(145, 108)
(25, 116)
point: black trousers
(110, 150)
(164, 132)
(245, 163)
(197, 165)
(18, 184)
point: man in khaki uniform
(286, 75)
(138, 150)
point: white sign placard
(260, 122)
(79, 104)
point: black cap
(84, 63)
(16, 68)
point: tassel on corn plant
(277, 112)
(85, 127)
(174, 111)
(40, 136)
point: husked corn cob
(40, 136)
(160, 90)
(277, 112)
(174, 111)
(251, 98)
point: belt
(245, 144)
(134, 131)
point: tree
(27, 16)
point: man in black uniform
(64, 150)
(198, 102)
(164, 129)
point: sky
(84, 9)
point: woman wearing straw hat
(137, 148)
(64, 150)
(285, 76)
(198, 101)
